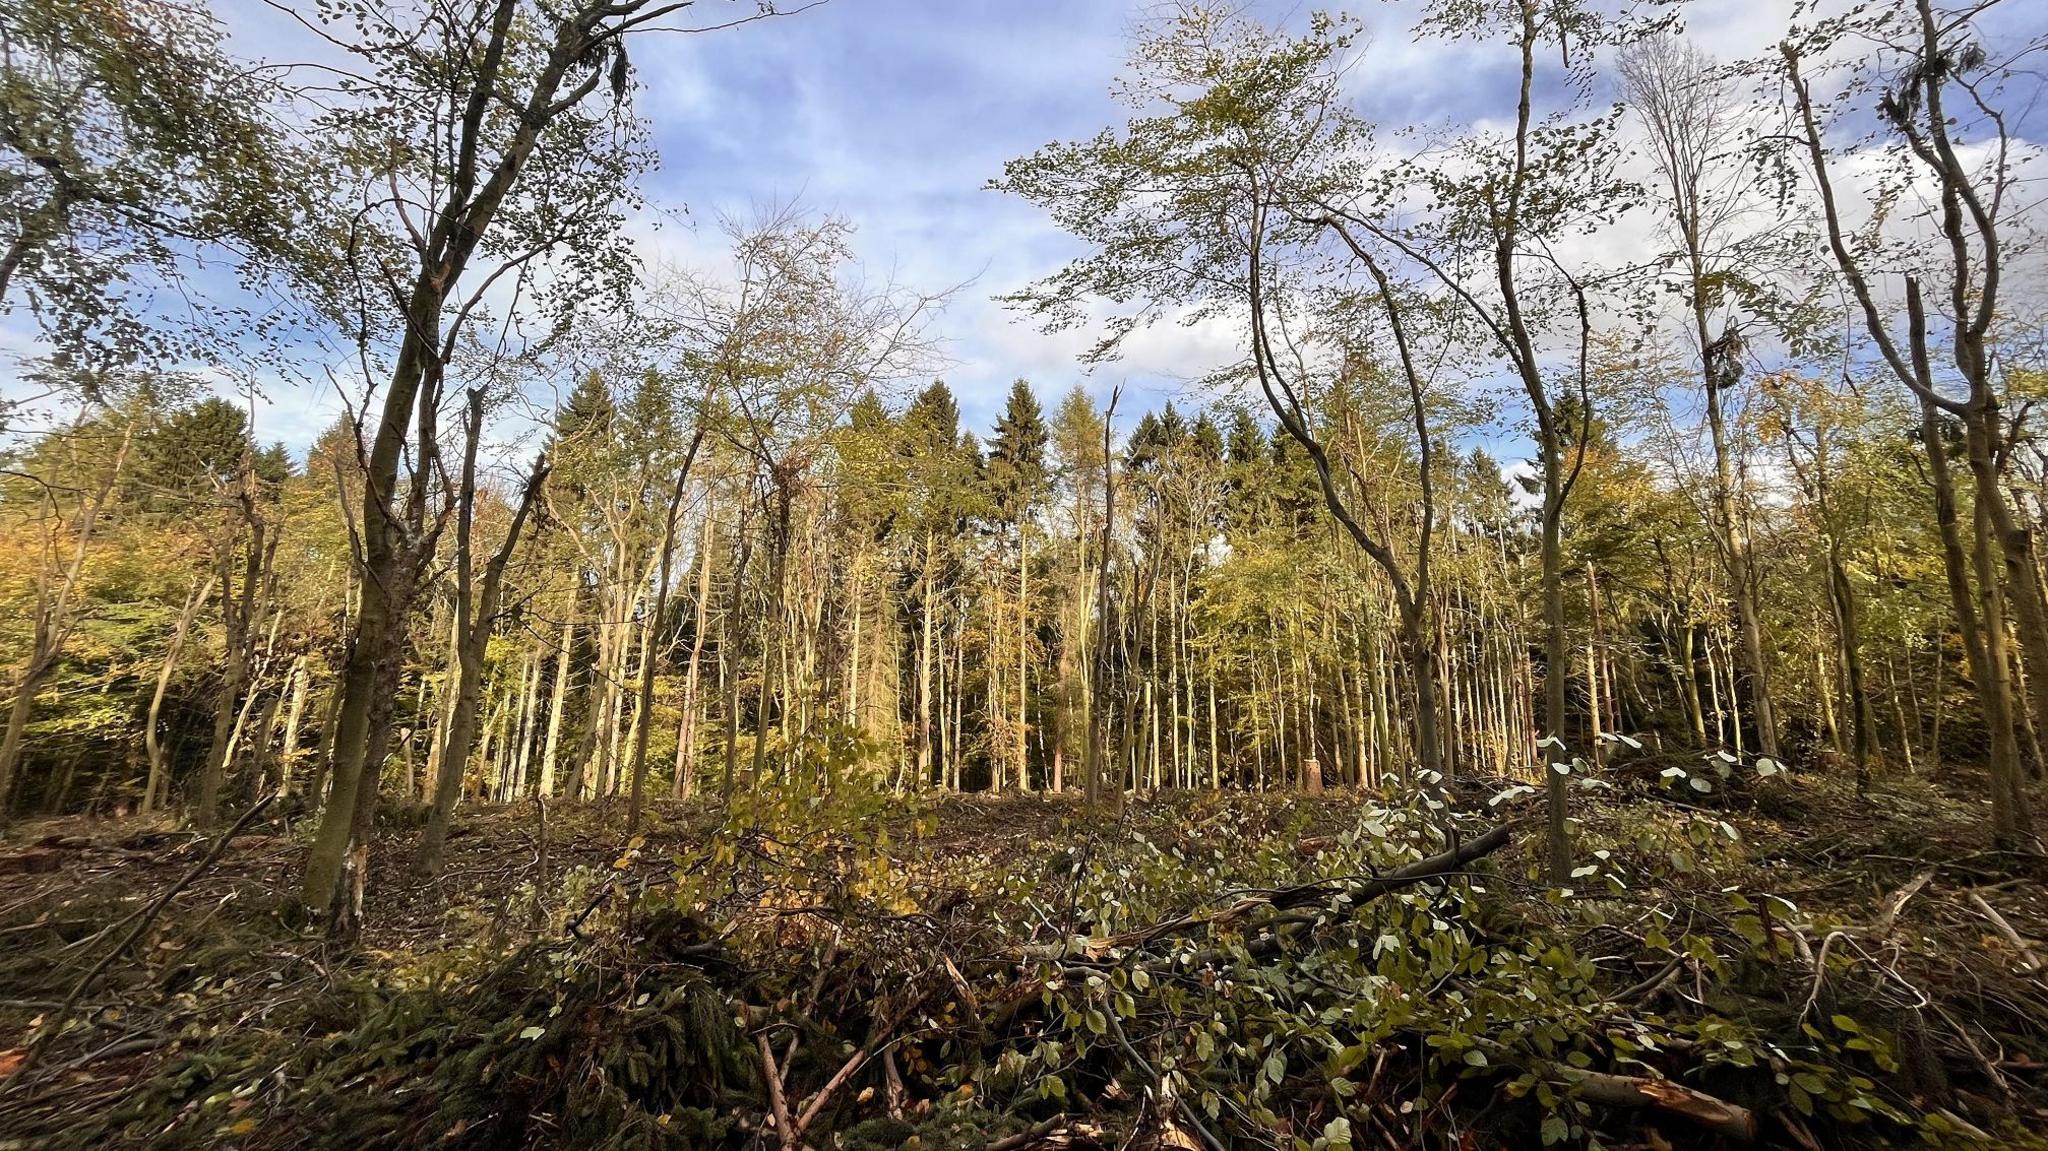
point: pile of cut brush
(871, 970)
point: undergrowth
(811, 969)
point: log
(1289, 900)
(34, 861)
(1716, 1115)
(1302, 905)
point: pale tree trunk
(686, 733)
(925, 654)
(155, 788)
(288, 750)
(557, 699)
(529, 717)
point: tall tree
(1934, 104)
(477, 610)
(530, 169)
(1254, 150)
(1017, 475)
(1689, 113)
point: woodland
(1574, 674)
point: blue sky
(895, 113)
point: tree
(476, 615)
(529, 171)
(1688, 111)
(786, 344)
(66, 519)
(1502, 201)
(1212, 208)
(1936, 84)
(1017, 475)
(132, 146)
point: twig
(1642, 991)
(1116, 1031)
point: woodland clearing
(1779, 964)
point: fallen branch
(1116, 1032)
(1300, 916)
(1889, 917)
(1284, 901)
(1029, 1135)
(1717, 1115)
(141, 926)
(778, 1109)
(2029, 962)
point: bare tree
(521, 167)
(1941, 62)
(1694, 123)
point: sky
(896, 113)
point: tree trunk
(476, 614)
(686, 732)
(558, 697)
(654, 621)
(288, 748)
(155, 788)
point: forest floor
(1777, 963)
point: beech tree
(1931, 93)
(528, 173)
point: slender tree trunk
(238, 612)
(1023, 646)
(288, 749)
(686, 733)
(476, 615)
(529, 717)
(646, 717)
(154, 790)
(775, 623)
(557, 701)
(1975, 623)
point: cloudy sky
(896, 113)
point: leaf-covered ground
(1778, 963)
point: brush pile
(867, 971)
